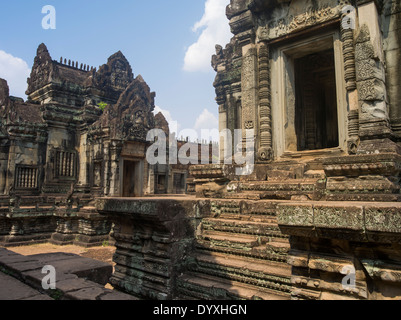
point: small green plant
(102, 105)
(105, 244)
(55, 294)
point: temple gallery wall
(81, 134)
(317, 218)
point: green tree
(102, 105)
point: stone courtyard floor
(20, 264)
(104, 254)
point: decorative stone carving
(327, 199)
(63, 147)
(373, 223)
(374, 116)
(41, 71)
(117, 73)
(291, 17)
(135, 107)
(347, 38)
(353, 132)
(249, 89)
(266, 148)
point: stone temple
(60, 150)
(317, 218)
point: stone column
(10, 175)
(391, 17)
(151, 180)
(243, 27)
(83, 173)
(222, 127)
(265, 122)
(249, 86)
(115, 183)
(3, 168)
(106, 172)
(348, 44)
(370, 75)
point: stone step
(273, 249)
(275, 174)
(315, 174)
(204, 287)
(245, 222)
(249, 217)
(242, 227)
(238, 208)
(233, 241)
(279, 246)
(245, 239)
(287, 185)
(278, 190)
(246, 266)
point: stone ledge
(166, 227)
(15, 290)
(357, 221)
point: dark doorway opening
(129, 176)
(161, 184)
(316, 117)
(179, 183)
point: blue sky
(169, 43)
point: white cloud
(215, 30)
(207, 121)
(16, 72)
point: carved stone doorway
(309, 107)
(316, 118)
(130, 179)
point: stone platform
(186, 248)
(77, 278)
(13, 289)
(241, 249)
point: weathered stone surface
(214, 245)
(300, 215)
(317, 217)
(81, 134)
(383, 218)
(77, 278)
(152, 237)
(12, 290)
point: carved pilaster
(265, 125)
(348, 41)
(10, 168)
(353, 131)
(347, 38)
(370, 76)
(115, 152)
(250, 87)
